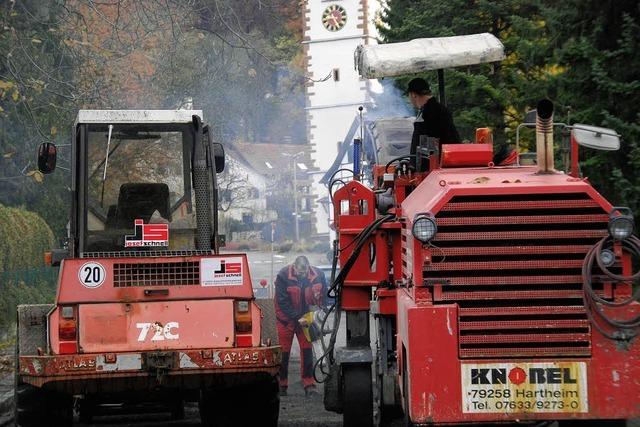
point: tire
(37, 407)
(358, 395)
(34, 406)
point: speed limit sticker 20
(524, 387)
(92, 275)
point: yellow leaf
(15, 95)
(9, 154)
(35, 40)
(36, 175)
(4, 85)
(54, 131)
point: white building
(242, 191)
(333, 31)
(256, 188)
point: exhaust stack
(544, 136)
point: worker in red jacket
(298, 287)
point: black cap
(419, 86)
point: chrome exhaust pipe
(544, 136)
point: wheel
(37, 407)
(358, 395)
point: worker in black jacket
(298, 287)
(433, 119)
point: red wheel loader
(147, 310)
(500, 293)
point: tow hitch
(159, 362)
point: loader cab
(142, 181)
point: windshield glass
(138, 188)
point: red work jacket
(293, 296)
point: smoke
(388, 101)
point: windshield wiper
(106, 161)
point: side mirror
(218, 155)
(47, 153)
(596, 137)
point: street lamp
(293, 158)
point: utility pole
(294, 157)
(295, 197)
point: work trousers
(285, 335)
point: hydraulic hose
(622, 329)
(335, 292)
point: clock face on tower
(334, 17)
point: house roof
(270, 159)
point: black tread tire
(34, 406)
(37, 407)
(358, 395)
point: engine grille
(156, 274)
(144, 254)
(516, 272)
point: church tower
(333, 30)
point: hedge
(24, 279)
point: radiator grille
(516, 272)
(156, 274)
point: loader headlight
(620, 223)
(424, 228)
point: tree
(581, 55)
(494, 95)
(596, 44)
(234, 59)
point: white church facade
(333, 30)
